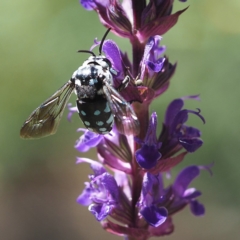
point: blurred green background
(39, 180)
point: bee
(99, 104)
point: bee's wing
(45, 119)
(124, 117)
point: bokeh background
(39, 180)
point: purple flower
(156, 70)
(175, 134)
(87, 140)
(101, 194)
(157, 202)
(152, 194)
(151, 61)
(148, 155)
(182, 195)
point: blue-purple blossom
(151, 197)
(101, 193)
(152, 62)
(186, 196)
(157, 202)
(175, 134)
(87, 140)
(156, 70)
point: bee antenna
(103, 39)
(87, 51)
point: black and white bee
(99, 103)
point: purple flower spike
(148, 155)
(133, 201)
(87, 140)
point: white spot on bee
(99, 123)
(110, 119)
(87, 123)
(100, 92)
(102, 129)
(97, 112)
(77, 82)
(105, 132)
(107, 109)
(83, 113)
(91, 82)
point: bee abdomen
(96, 114)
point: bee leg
(124, 83)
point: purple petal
(151, 138)
(192, 132)
(93, 4)
(71, 110)
(197, 208)
(88, 4)
(184, 178)
(180, 118)
(110, 184)
(149, 45)
(85, 197)
(154, 216)
(87, 140)
(156, 66)
(152, 188)
(191, 193)
(113, 53)
(100, 211)
(147, 156)
(191, 145)
(151, 57)
(173, 109)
